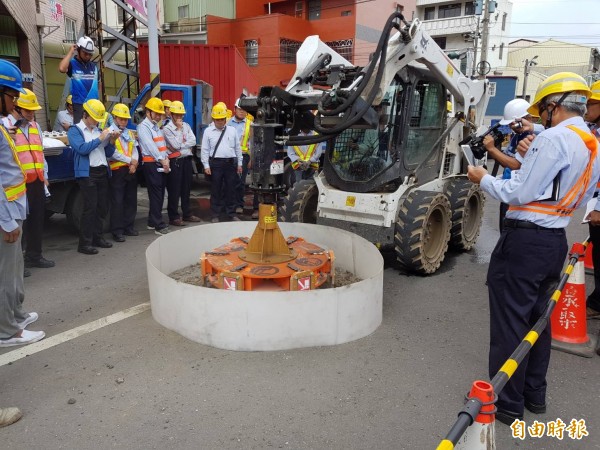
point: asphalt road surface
(133, 384)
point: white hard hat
(237, 103)
(516, 108)
(86, 44)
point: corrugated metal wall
(219, 65)
(172, 9)
(221, 8)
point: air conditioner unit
(166, 27)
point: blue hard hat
(10, 76)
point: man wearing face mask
(526, 263)
(28, 141)
(123, 182)
(92, 148)
(156, 163)
(592, 116)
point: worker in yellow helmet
(180, 142)
(64, 118)
(92, 148)
(221, 157)
(123, 180)
(28, 140)
(156, 164)
(167, 104)
(592, 116)
(558, 175)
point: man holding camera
(526, 263)
(521, 124)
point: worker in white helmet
(84, 74)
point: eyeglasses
(13, 97)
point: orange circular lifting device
(267, 261)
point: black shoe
(102, 243)
(131, 233)
(88, 250)
(41, 263)
(26, 273)
(535, 408)
(507, 417)
(119, 238)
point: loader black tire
(300, 205)
(422, 231)
(467, 201)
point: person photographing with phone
(526, 264)
(92, 148)
(28, 141)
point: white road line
(65, 336)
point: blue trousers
(524, 271)
(155, 183)
(223, 186)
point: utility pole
(485, 33)
(528, 64)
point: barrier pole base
(479, 436)
(586, 349)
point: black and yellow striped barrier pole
(473, 405)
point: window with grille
(287, 50)
(469, 8)
(70, 30)
(251, 52)
(447, 11)
(440, 41)
(299, 10)
(314, 9)
(344, 47)
(183, 12)
(429, 13)
(119, 16)
(346, 13)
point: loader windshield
(359, 154)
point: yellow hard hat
(155, 104)
(95, 109)
(167, 103)
(229, 114)
(28, 100)
(121, 110)
(557, 84)
(219, 111)
(69, 99)
(595, 91)
(177, 107)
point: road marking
(65, 336)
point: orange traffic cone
(569, 327)
(481, 435)
(588, 261)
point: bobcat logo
(424, 42)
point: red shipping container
(222, 66)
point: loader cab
(412, 116)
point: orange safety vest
(246, 137)
(31, 153)
(18, 190)
(571, 200)
(114, 165)
(161, 146)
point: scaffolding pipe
(153, 49)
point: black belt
(231, 160)
(514, 223)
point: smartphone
(20, 123)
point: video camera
(476, 142)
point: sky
(576, 21)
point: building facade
(269, 34)
(457, 26)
